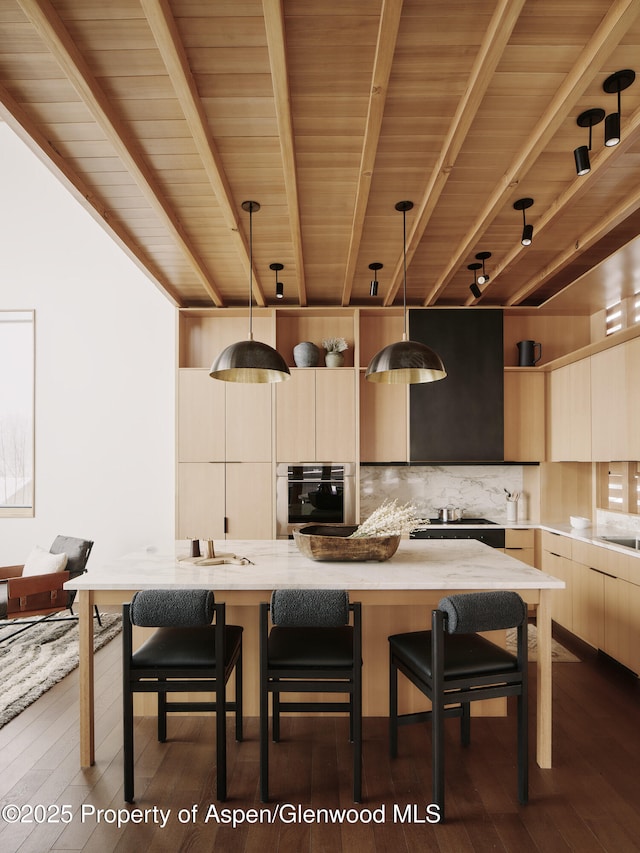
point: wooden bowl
(330, 542)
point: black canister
(529, 353)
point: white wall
(105, 371)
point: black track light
(589, 118)
(527, 230)
(473, 287)
(483, 278)
(373, 287)
(616, 83)
(279, 285)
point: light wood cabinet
(588, 604)
(316, 416)
(219, 500)
(609, 397)
(570, 413)
(520, 543)
(222, 421)
(383, 422)
(622, 621)
(524, 416)
(632, 398)
(561, 606)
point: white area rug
(38, 658)
(558, 653)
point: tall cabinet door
(570, 412)
(249, 490)
(335, 415)
(296, 417)
(201, 417)
(201, 504)
(248, 422)
(383, 422)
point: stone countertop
(592, 535)
(450, 564)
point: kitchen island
(396, 595)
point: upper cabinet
(570, 413)
(222, 421)
(524, 415)
(609, 397)
(461, 417)
(316, 416)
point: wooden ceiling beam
(276, 46)
(165, 32)
(385, 48)
(21, 123)
(614, 25)
(493, 45)
(57, 40)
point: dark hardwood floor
(589, 802)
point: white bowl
(579, 521)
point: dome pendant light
(250, 361)
(405, 362)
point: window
(614, 318)
(16, 412)
(619, 486)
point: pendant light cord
(404, 275)
(250, 270)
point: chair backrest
(169, 608)
(77, 551)
(493, 610)
(310, 608)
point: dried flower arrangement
(335, 344)
(389, 519)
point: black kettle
(529, 353)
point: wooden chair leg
(162, 715)
(523, 750)
(127, 719)
(264, 740)
(275, 716)
(393, 709)
(465, 724)
(239, 730)
(221, 742)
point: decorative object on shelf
(589, 118)
(333, 543)
(527, 351)
(306, 354)
(373, 287)
(335, 348)
(527, 230)
(279, 285)
(406, 362)
(617, 82)
(391, 519)
(250, 361)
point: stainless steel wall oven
(321, 492)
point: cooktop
(462, 521)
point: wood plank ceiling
(163, 116)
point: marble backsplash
(477, 489)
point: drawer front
(519, 538)
(556, 544)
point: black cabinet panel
(461, 417)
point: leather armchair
(43, 594)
